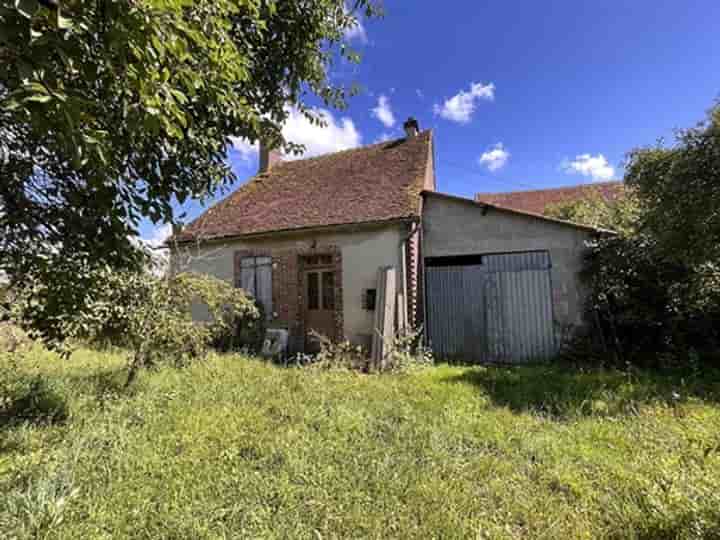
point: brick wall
(288, 289)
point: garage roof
(486, 206)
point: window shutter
(247, 279)
(263, 284)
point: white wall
(363, 252)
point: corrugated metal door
(499, 310)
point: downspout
(404, 268)
(423, 288)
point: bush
(405, 351)
(150, 316)
(242, 334)
(648, 308)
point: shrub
(242, 334)
(150, 316)
(336, 355)
(648, 308)
(405, 351)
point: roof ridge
(283, 162)
(556, 188)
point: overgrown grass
(233, 448)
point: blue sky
(550, 93)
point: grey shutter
(247, 278)
(263, 283)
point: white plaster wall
(363, 252)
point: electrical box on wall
(369, 298)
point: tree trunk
(135, 366)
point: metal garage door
(491, 308)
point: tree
(112, 109)
(620, 214)
(655, 288)
(680, 187)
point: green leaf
(63, 23)
(27, 8)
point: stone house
(308, 237)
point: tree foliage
(110, 110)
(620, 214)
(655, 287)
(680, 186)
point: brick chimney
(412, 128)
(268, 157)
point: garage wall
(363, 251)
(457, 227)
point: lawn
(234, 447)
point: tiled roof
(536, 201)
(380, 182)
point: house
(309, 237)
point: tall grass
(234, 447)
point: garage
(491, 308)
(500, 285)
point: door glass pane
(313, 290)
(328, 290)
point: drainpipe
(404, 270)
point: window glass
(313, 290)
(328, 290)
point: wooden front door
(319, 305)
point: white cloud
(243, 147)
(158, 236)
(159, 263)
(495, 157)
(383, 112)
(356, 31)
(461, 106)
(595, 167)
(419, 93)
(334, 136)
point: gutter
(171, 242)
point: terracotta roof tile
(374, 183)
(536, 201)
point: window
(256, 279)
(318, 260)
(328, 290)
(320, 290)
(313, 285)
